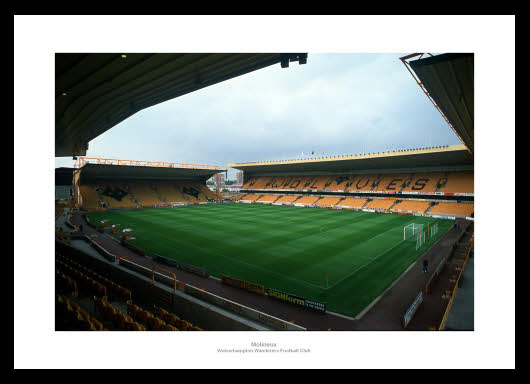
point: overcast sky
(336, 104)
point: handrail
(143, 163)
(165, 270)
(450, 304)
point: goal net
(433, 229)
(420, 239)
(411, 231)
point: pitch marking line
(365, 310)
(272, 272)
(369, 306)
(364, 265)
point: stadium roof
(446, 156)
(137, 172)
(96, 91)
(63, 176)
(449, 80)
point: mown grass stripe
(287, 248)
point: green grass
(287, 248)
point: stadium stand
(269, 198)
(309, 200)
(111, 287)
(428, 182)
(123, 195)
(392, 182)
(90, 196)
(109, 313)
(75, 283)
(121, 184)
(453, 209)
(207, 192)
(160, 320)
(287, 198)
(250, 197)
(256, 183)
(383, 204)
(353, 202)
(328, 201)
(339, 182)
(72, 316)
(280, 182)
(144, 194)
(363, 183)
(170, 193)
(116, 195)
(317, 182)
(412, 205)
(459, 182)
(424, 182)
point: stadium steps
(446, 174)
(86, 301)
(298, 198)
(272, 201)
(319, 198)
(186, 198)
(430, 206)
(341, 199)
(204, 194)
(376, 182)
(328, 182)
(154, 188)
(132, 197)
(87, 304)
(100, 196)
(393, 205)
(180, 195)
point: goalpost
(411, 231)
(415, 232)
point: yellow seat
(109, 312)
(135, 326)
(172, 319)
(97, 324)
(168, 327)
(155, 323)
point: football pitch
(341, 257)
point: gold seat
(168, 327)
(155, 323)
(97, 324)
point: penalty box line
(364, 265)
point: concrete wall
(63, 192)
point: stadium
(310, 244)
